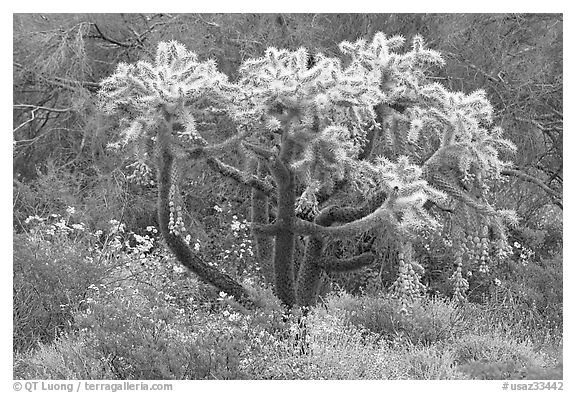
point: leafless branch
(556, 197)
(36, 107)
(108, 39)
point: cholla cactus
(175, 77)
(313, 130)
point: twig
(112, 41)
(35, 107)
(557, 198)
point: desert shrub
(53, 266)
(509, 370)
(58, 262)
(425, 322)
(51, 193)
(133, 330)
(69, 357)
(334, 350)
(495, 355)
(99, 198)
(530, 299)
(150, 320)
(432, 363)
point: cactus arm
(429, 204)
(313, 263)
(442, 182)
(284, 242)
(166, 160)
(347, 264)
(382, 217)
(266, 229)
(209, 152)
(373, 134)
(216, 149)
(241, 177)
(259, 151)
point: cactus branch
(313, 263)
(241, 177)
(266, 229)
(347, 264)
(166, 161)
(441, 182)
(259, 151)
(216, 149)
(383, 216)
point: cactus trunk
(284, 242)
(264, 244)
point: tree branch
(556, 197)
(108, 39)
(36, 107)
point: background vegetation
(96, 295)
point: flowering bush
(54, 263)
(132, 331)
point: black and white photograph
(286, 196)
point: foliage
(426, 322)
(139, 315)
(53, 266)
(130, 332)
(487, 357)
(398, 170)
(532, 293)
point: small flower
(217, 208)
(517, 245)
(70, 210)
(497, 282)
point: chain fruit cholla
(310, 127)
